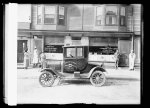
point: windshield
(70, 52)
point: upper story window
(99, 15)
(39, 14)
(61, 16)
(49, 15)
(111, 15)
(122, 16)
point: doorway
(22, 45)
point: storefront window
(53, 44)
(102, 50)
(49, 14)
(103, 46)
(61, 17)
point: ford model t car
(75, 65)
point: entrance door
(124, 48)
(22, 45)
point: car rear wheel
(97, 78)
(46, 79)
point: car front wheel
(97, 78)
(46, 79)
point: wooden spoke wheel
(97, 78)
(46, 79)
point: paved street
(122, 87)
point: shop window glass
(39, 14)
(103, 50)
(53, 44)
(49, 14)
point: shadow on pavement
(109, 82)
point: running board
(76, 74)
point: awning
(77, 33)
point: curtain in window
(112, 9)
(113, 20)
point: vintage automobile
(75, 65)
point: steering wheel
(71, 55)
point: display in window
(53, 49)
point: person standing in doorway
(35, 57)
(116, 56)
(131, 60)
(26, 59)
(43, 60)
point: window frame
(49, 14)
(115, 16)
(41, 15)
(58, 17)
(75, 57)
(96, 23)
(77, 52)
(122, 17)
(66, 53)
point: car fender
(51, 70)
(96, 68)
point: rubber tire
(98, 72)
(52, 78)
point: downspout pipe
(132, 30)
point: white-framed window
(111, 20)
(49, 15)
(122, 16)
(122, 11)
(111, 15)
(99, 14)
(39, 14)
(61, 15)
